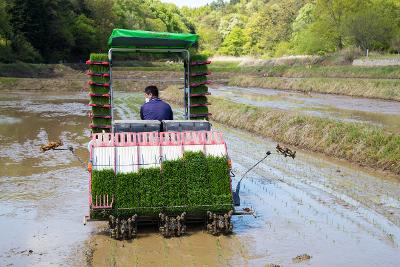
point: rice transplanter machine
(132, 146)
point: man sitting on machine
(154, 108)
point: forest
(53, 31)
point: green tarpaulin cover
(121, 38)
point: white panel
(127, 159)
(171, 152)
(103, 158)
(216, 150)
(193, 148)
(149, 156)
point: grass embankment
(297, 71)
(371, 88)
(28, 70)
(76, 83)
(366, 145)
(372, 82)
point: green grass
(197, 182)
(309, 71)
(304, 71)
(6, 81)
(29, 70)
(371, 88)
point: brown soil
(301, 258)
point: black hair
(152, 89)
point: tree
(306, 38)
(85, 34)
(372, 25)
(5, 27)
(45, 24)
(272, 25)
(233, 43)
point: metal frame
(186, 97)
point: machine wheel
(219, 224)
(123, 229)
(172, 226)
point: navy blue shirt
(156, 109)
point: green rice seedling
(196, 176)
(99, 68)
(218, 175)
(125, 195)
(198, 58)
(100, 100)
(101, 121)
(100, 130)
(100, 79)
(195, 183)
(99, 58)
(102, 183)
(198, 79)
(100, 111)
(95, 89)
(199, 69)
(199, 110)
(198, 100)
(198, 118)
(174, 185)
(202, 89)
(149, 186)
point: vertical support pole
(187, 85)
(185, 92)
(111, 90)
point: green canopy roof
(121, 38)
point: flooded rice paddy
(338, 214)
(382, 113)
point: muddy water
(43, 196)
(379, 112)
(338, 214)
